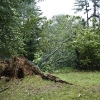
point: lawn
(86, 87)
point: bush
(87, 46)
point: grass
(87, 87)
(81, 78)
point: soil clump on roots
(19, 67)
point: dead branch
(4, 89)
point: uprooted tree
(19, 67)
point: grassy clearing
(81, 78)
(34, 88)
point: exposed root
(54, 78)
(19, 67)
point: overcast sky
(55, 7)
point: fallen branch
(4, 89)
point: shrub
(87, 46)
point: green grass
(81, 78)
(87, 87)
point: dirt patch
(19, 67)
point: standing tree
(11, 41)
(86, 6)
(83, 5)
(96, 7)
(31, 30)
(13, 16)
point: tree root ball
(19, 67)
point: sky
(55, 7)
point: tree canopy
(14, 15)
(62, 41)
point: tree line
(62, 41)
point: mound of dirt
(19, 67)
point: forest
(61, 45)
(62, 41)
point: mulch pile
(19, 67)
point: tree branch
(4, 89)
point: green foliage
(55, 31)
(11, 42)
(37, 57)
(31, 30)
(87, 6)
(87, 42)
(18, 20)
(48, 68)
(80, 5)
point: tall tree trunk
(87, 22)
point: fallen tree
(19, 67)
(53, 52)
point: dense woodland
(62, 41)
